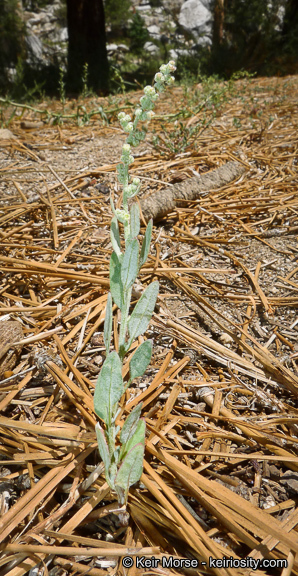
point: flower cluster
(143, 113)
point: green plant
(85, 80)
(12, 41)
(123, 460)
(117, 13)
(203, 104)
(117, 79)
(137, 33)
(61, 86)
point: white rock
(123, 47)
(6, 134)
(196, 17)
(154, 31)
(151, 48)
(63, 35)
(112, 47)
(226, 338)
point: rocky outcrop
(182, 23)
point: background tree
(87, 44)
(218, 22)
(246, 35)
(289, 37)
(12, 44)
(117, 14)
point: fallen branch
(162, 202)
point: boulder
(196, 18)
(34, 46)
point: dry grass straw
(220, 398)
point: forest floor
(220, 474)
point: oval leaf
(115, 280)
(140, 360)
(130, 264)
(146, 244)
(134, 220)
(115, 236)
(109, 388)
(130, 424)
(107, 331)
(130, 470)
(103, 446)
(142, 313)
(138, 437)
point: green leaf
(142, 313)
(115, 280)
(109, 388)
(122, 173)
(146, 244)
(138, 437)
(130, 424)
(134, 220)
(140, 360)
(103, 446)
(129, 472)
(115, 236)
(130, 265)
(107, 331)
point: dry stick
(61, 181)
(269, 362)
(68, 249)
(270, 542)
(68, 528)
(196, 536)
(67, 275)
(78, 567)
(231, 500)
(75, 392)
(242, 456)
(25, 504)
(54, 222)
(15, 230)
(250, 431)
(70, 366)
(237, 262)
(20, 191)
(73, 522)
(162, 202)
(70, 550)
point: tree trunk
(290, 18)
(87, 44)
(218, 22)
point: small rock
(63, 35)
(290, 480)
(112, 47)
(274, 472)
(226, 338)
(151, 48)
(6, 134)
